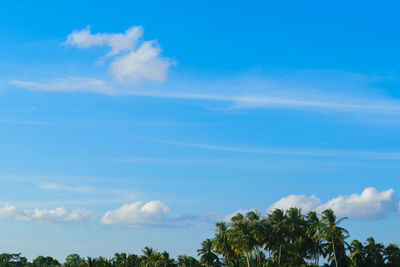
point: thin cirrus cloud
(132, 59)
(371, 155)
(370, 204)
(245, 94)
(55, 216)
(71, 84)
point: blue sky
(142, 123)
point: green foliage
(280, 239)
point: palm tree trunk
(279, 256)
(316, 254)
(247, 259)
(334, 252)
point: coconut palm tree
(120, 260)
(312, 231)
(296, 253)
(148, 254)
(277, 221)
(374, 253)
(332, 233)
(186, 261)
(259, 231)
(295, 224)
(221, 242)
(103, 262)
(392, 255)
(357, 254)
(241, 236)
(206, 253)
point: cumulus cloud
(142, 64)
(152, 213)
(133, 60)
(7, 212)
(118, 42)
(57, 215)
(299, 201)
(370, 204)
(137, 214)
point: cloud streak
(246, 94)
(287, 152)
(68, 85)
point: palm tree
(357, 257)
(185, 261)
(258, 228)
(277, 221)
(241, 237)
(120, 260)
(206, 253)
(331, 232)
(313, 226)
(221, 242)
(297, 253)
(148, 254)
(374, 253)
(164, 260)
(90, 262)
(392, 255)
(103, 262)
(295, 223)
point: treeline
(280, 239)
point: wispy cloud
(131, 60)
(87, 189)
(93, 123)
(373, 155)
(263, 101)
(70, 84)
(79, 188)
(243, 93)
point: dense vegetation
(280, 239)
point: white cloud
(370, 204)
(152, 213)
(118, 42)
(133, 61)
(137, 214)
(299, 201)
(143, 64)
(57, 215)
(71, 84)
(7, 212)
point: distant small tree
(74, 260)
